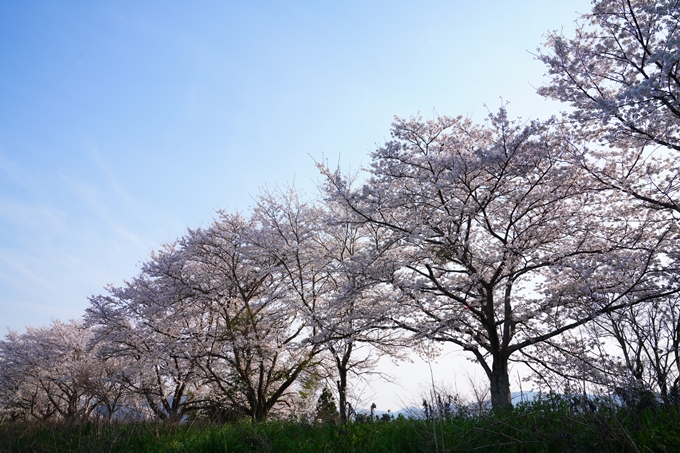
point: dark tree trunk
(342, 367)
(342, 395)
(261, 413)
(500, 385)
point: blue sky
(124, 123)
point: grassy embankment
(550, 425)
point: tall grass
(550, 424)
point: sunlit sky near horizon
(122, 123)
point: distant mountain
(417, 412)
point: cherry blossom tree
(44, 373)
(22, 397)
(142, 324)
(648, 338)
(319, 260)
(245, 307)
(620, 74)
(254, 340)
(497, 242)
(104, 381)
(627, 352)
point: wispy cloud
(66, 235)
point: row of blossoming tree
(550, 243)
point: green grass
(550, 425)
